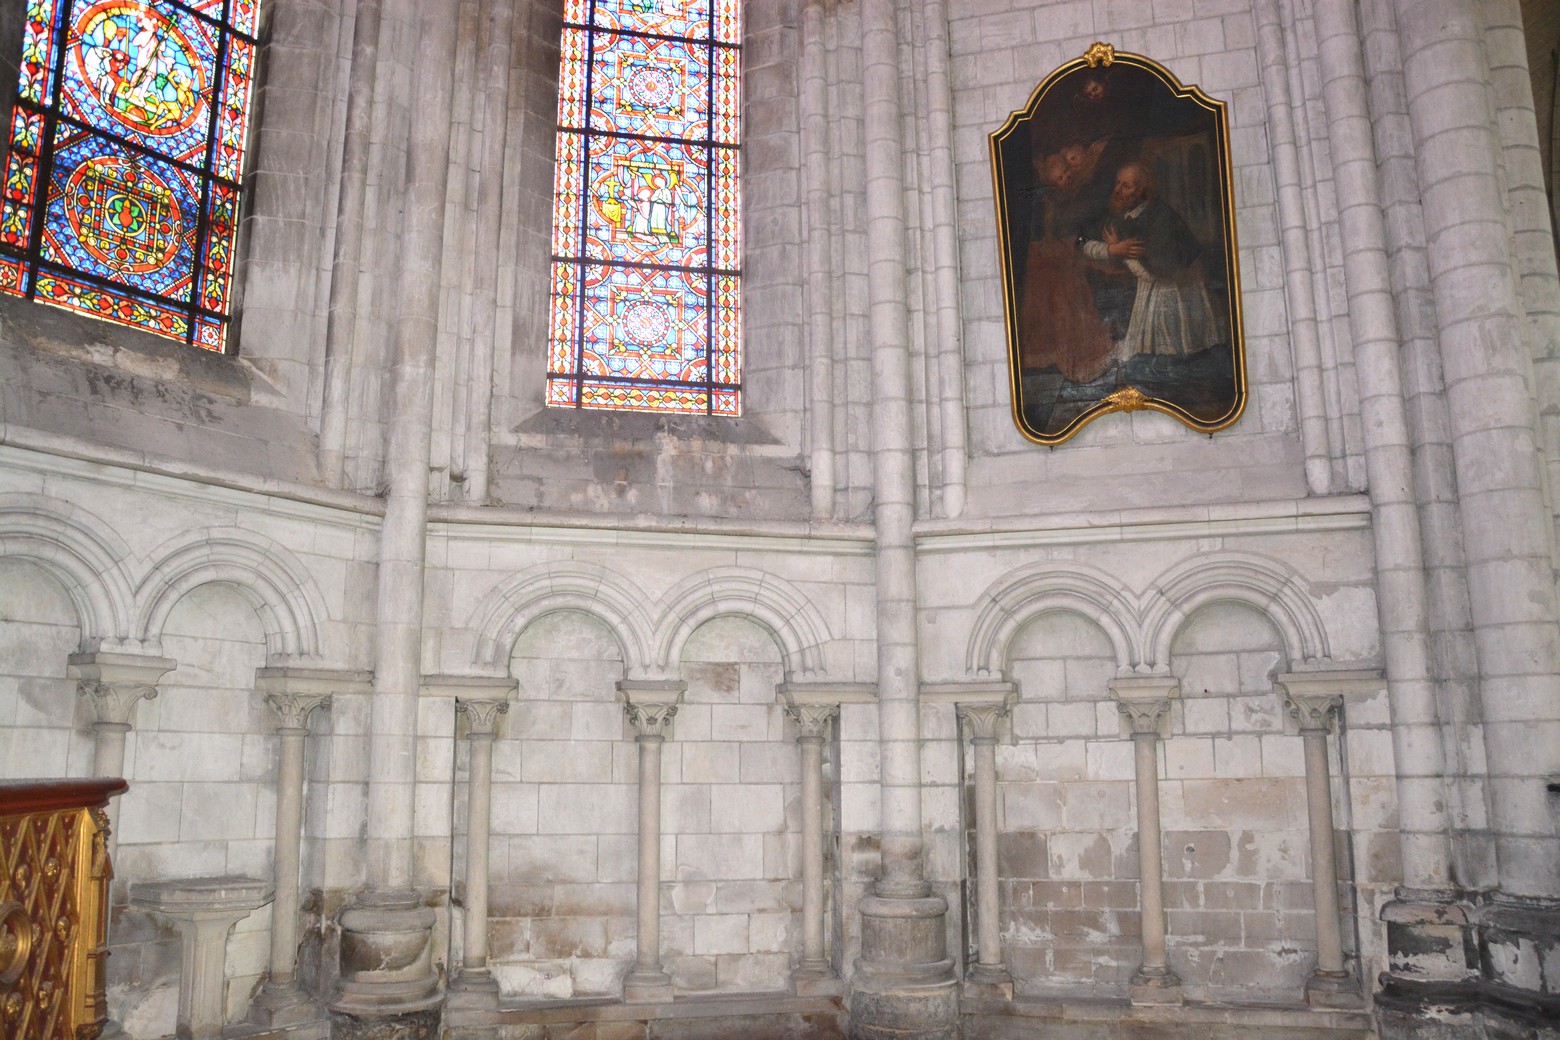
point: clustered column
(1146, 704)
(650, 706)
(989, 975)
(474, 984)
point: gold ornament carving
(53, 915)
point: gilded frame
(1088, 332)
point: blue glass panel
(660, 88)
(121, 217)
(645, 324)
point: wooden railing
(54, 875)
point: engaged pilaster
(293, 694)
(1145, 702)
(1315, 702)
(650, 706)
(474, 985)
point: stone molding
(470, 687)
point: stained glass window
(121, 176)
(646, 223)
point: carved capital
(983, 718)
(114, 683)
(812, 720)
(1313, 710)
(112, 702)
(293, 709)
(482, 716)
(650, 704)
(1144, 715)
(650, 720)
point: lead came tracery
(121, 184)
(646, 230)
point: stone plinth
(204, 910)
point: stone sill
(609, 1009)
(1121, 1013)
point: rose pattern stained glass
(121, 193)
(646, 224)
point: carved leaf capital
(1314, 710)
(482, 715)
(1144, 715)
(294, 708)
(812, 720)
(112, 701)
(983, 719)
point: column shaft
(987, 902)
(1150, 860)
(474, 955)
(649, 949)
(812, 852)
(1318, 797)
(289, 822)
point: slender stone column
(812, 712)
(114, 684)
(650, 707)
(989, 976)
(389, 986)
(293, 693)
(474, 985)
(1315, 706)
(904, 982)
(1146, 704)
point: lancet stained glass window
(646, 222)
(121, 177)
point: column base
(386, 958)
(416, 1025)
(816, 979)
(904, 984)
(283, 1006)
(989, 982)
(647, 986)
(1155, 988)
(472, 989)
(1336, 991)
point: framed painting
(1117, 234)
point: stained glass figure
(121, 191)
(646, 221)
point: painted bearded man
(1171, 314)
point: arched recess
(79, 551)
(515, 603)
(263, 572)
(1018, 598)
(766, 599)
(1255, 581)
